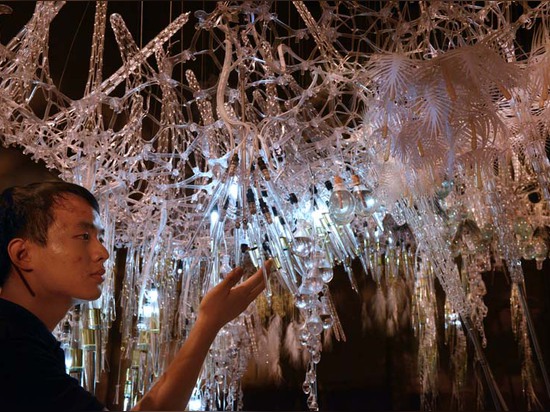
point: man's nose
(102, 252)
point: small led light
(153, 295)
(214, 217)
(234, 191)
(194, 404)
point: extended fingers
(256, 290)
(253, 283)
(256, 283)
(251, 288)
(233, 277)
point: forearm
(174, 388)
(220, 305)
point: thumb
(233, 277)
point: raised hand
(226, 301)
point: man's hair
(27, 212)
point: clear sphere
(302, 301)
(305, 301)
(316, 357)
(365, 203)
(314, 325)
(306, 289)
(303, 246)
(313, 343)
(341, 207)
(309, 264)
(312, 403)
(323, 267)
(327, 321)
(314, 284)
(318, 259)
(326, 274)
(304, 336)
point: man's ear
(20, 254)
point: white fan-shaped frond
(393, 73)
(433, 105)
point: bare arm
(222, 304)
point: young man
(51, 255)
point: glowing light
(317, 214)
(234, 191)
(194, 404)
(148, 310)
(153, 295)
(214, 217)
(370, 202)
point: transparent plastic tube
(152, 252)
(498, 400)
(534, 339)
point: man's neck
(49, 311)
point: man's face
(70, 266)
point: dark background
(370, 371)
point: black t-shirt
(32, 367)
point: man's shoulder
(9, 327)
(18, 323)
(19, 340)
(15, 336)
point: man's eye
(84, 236)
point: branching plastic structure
(431, 113)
